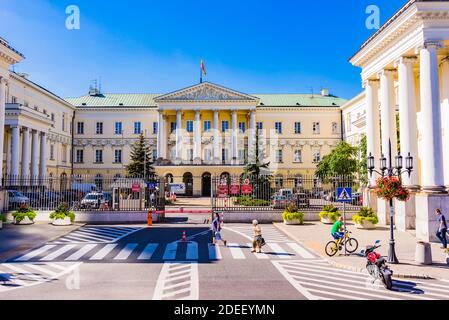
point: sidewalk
(315, 235)
(15, 239)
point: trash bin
(423, 253)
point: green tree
(256, 165)
(140, 164)
(363, 161)
(342, 161)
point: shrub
(366, 214)
(22, 212)
(2, 218)
(330, 212)
(62, 212)
(289, 216)
(292, 208)
(246, 201)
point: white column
(445, 117)
(43, 156)
(164, 141)
(407, 116)
(432, 153)
(234, 151)
(2, 123)
(34, 154)
(197, 136)
(388, 114)
(15, 151)
(217, 154)
(179, 135)
(159, 134)
(25, 153)
(372, 123)
(252, 135)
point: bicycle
(332, 247)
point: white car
(92, 200)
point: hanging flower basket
(390, 188)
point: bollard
(150, 217)
(423, 253)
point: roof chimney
(325, 92)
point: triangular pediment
(206, 92)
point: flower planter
(26, 221)
(295, 222)
(367, 225)
(327, 221)
(62, 222)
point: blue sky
(254, 46)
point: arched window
(279, 181)
(99, 181)
(169, 178)
(63, 183)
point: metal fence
(275, 193)
(85, 193)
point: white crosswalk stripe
(214, 252)
(35, 253)
(177, 281)
(81, 252)
(269, 233)
(236, 251)
(148, 252)
(126, 251)
(100, 255)
(96, 235)
(317, 279)
(57, 253)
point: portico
(404, 65)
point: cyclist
(337, 229)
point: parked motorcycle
(377, 266)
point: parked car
(357, 199)
(92, 200)
(16, 198)
(301, 200)
(279, 202)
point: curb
(352, 268)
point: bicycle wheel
(352, 245)
(331, 248)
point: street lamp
(391, 172)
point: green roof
(147, 100)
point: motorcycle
(377, 266)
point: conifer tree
(141, 160)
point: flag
(203, 68)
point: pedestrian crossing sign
(344, 194)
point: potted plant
(330, 214)
(390, 188)
(292, 216)
(2, 220)
(366, 218)
(24, 215)
(62, 216)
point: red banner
(136, 187)
(235, 189)
(247, 188)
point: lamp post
(390, 171)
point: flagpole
(201, 72)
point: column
(445, 117)
(159, 134)
(25, 153)
(179, 135)
(234, 151)
(197, 137)
(164, 137)
(372, 123)
(217, 154)
(15, 151)
(43, 156)
(388, 114)
(2, 123)
(407, 116)
(34, 154)
(252, 135)
(432, 153)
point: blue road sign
(344, 194)
(151, 185)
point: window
(316, 128)
(52, 152)
(63, 122)
(348, 123)
(297, 127)
(224, 154)
(207, 126)
(155, 127)
(137, 127)
(316, 156)
(79, 156)
(154, 155)
(335, 128)
(189, 126)
(80, 128)
(208, 155)
(99, 128)
(118, 128)
(242, 155)
(173, 153)
(225, 126)
(260, 125)
(13, 99)
(172, 127)
(190, 154)
(118, 156)
(279, 156)
(64, 153)
(53, 120)
(98, 156)
(278, 127)
(26, 104)
(298, 156)
(36, 108)
(242, 127)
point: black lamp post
(391, 171)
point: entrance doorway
(206, 180)
(187, 179)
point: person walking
(216, 230)
(258, 241)
(442, 228)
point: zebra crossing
(160, 252)
(17, 275)
(96, 235)
(177, 281)
(316, 279)
(270, 234)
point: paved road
(135, 262)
